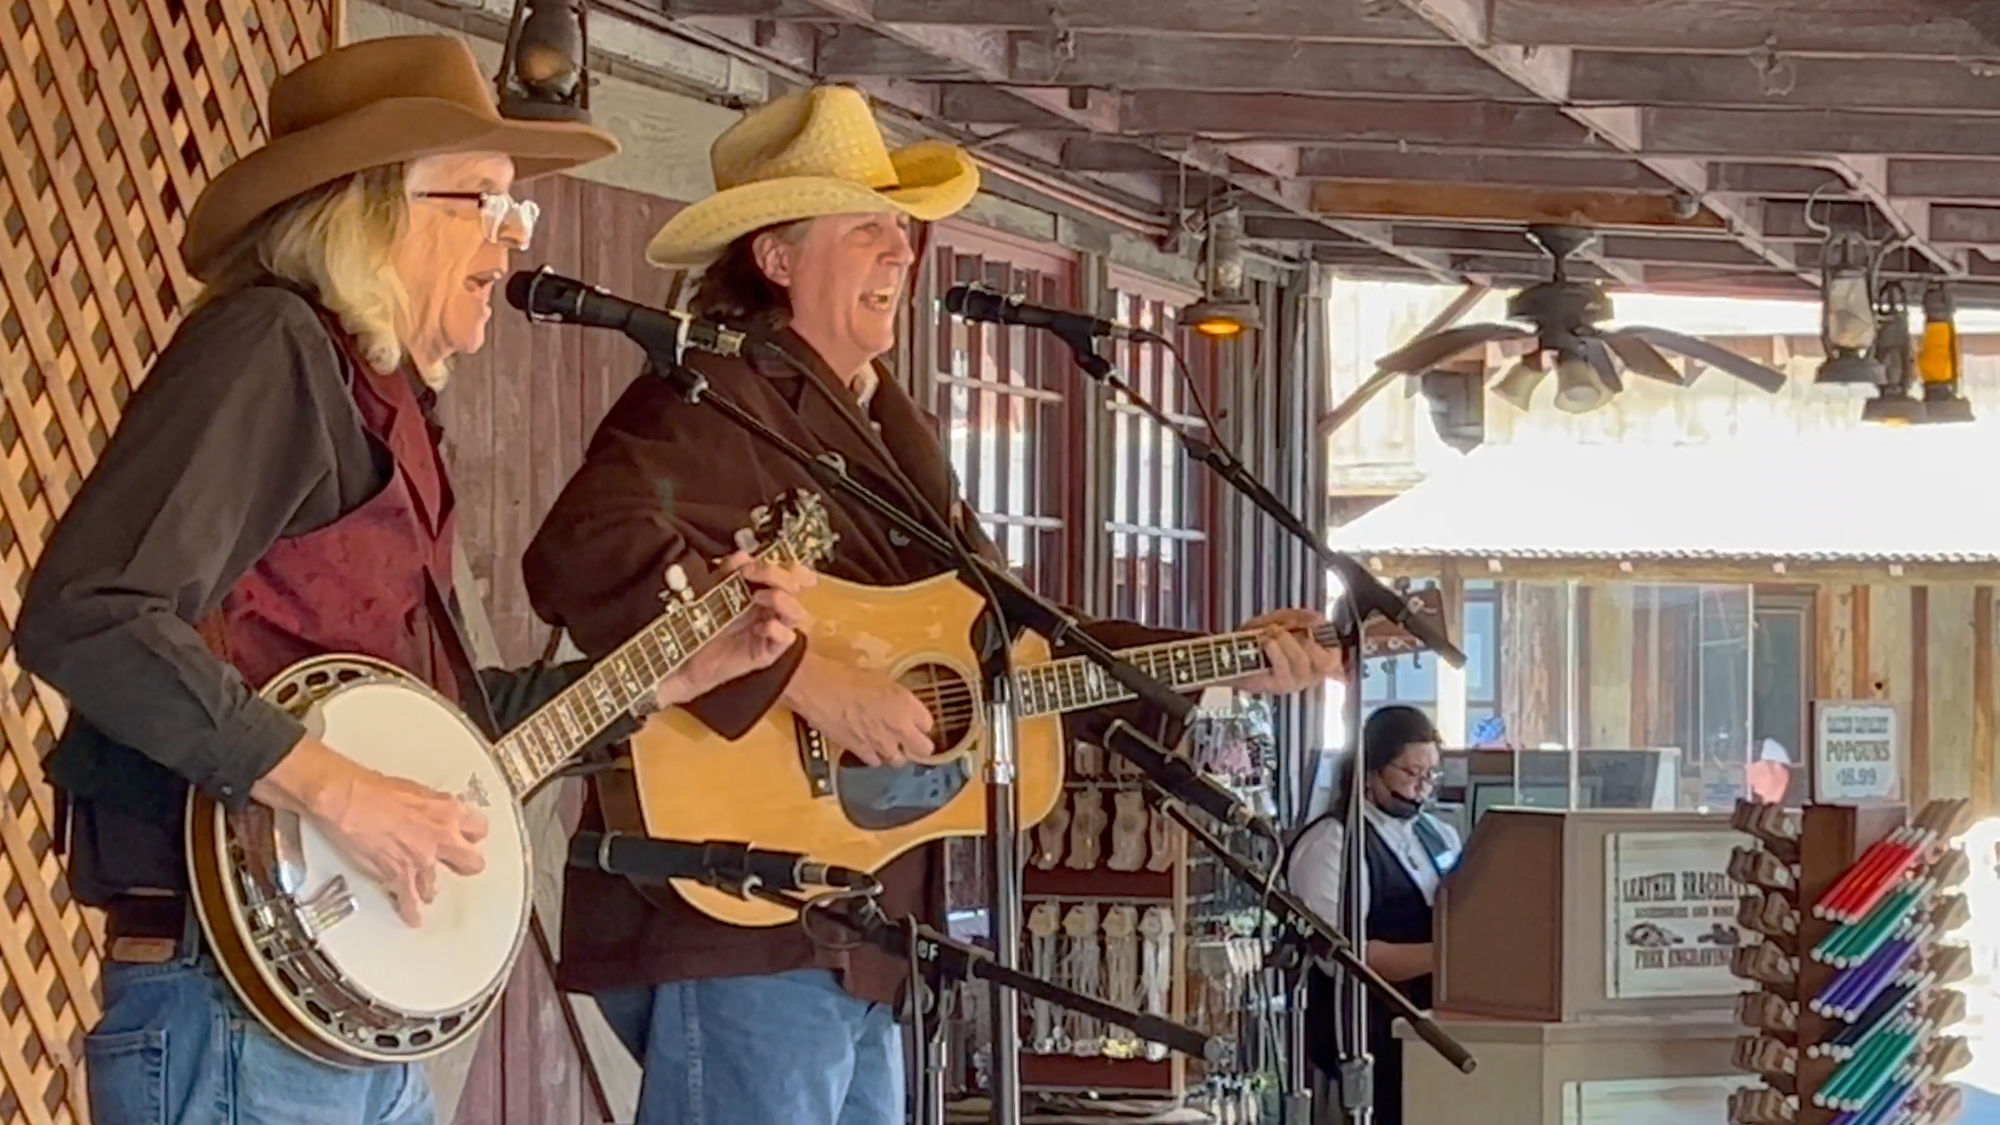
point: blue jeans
(784, 1049)
(175, 1047)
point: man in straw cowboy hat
(806, 246)
(277, 491)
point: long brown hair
(734, 290)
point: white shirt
(1314, 872)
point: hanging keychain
(1083, 968)
(1043, 922)
(1163, 840)
(1156, 973)
(1128, 831)
(1086, 826)
(1121, 974)
(1049, 835)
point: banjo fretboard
(532, 752)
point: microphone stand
(1009, 601)
(1365, 595)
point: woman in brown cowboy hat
(806, 245)
(276, 491)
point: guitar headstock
(794, 527)
(1382, 637)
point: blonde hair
(338, 242)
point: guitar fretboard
(1074, 683)
(534, 750)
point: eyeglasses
(1429, 777)
(495, 211)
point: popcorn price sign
(1857, 750)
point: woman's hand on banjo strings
(394, 829)
(754, 640)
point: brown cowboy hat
(376, 102)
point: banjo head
(315, 948)
(472, 928)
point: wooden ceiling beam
(1131, 61)
(1598, 209)
(1781, 81)
(1332, 119)
(1776, 133)
(849, 51)
(1841, 27)
(1303, 20)
(1607, 173)
(1944, 179)
(1958, 225)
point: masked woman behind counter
(1407, 853)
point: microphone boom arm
(1366, 593)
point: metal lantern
(1224, 310)
(1847, 312)
(1892, 404)
(544, 69)
(1938, 361)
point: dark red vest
(371, 582)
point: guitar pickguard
(880, 797)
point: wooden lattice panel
(113, 114)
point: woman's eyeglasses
(496, 212)
(1430, 777)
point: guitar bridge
(814, 759)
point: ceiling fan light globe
(1579, 388)
(1517, 386)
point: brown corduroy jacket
(665, 481)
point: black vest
(1397, 913)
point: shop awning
(1893, 499)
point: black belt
(149, 929)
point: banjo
(313, 947)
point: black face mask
(1399, 806)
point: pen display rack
(1847, 1022)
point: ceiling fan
(1564, 316)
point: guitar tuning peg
(677, 584)
(746, 540)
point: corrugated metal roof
(1919, 495)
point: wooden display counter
(1663, 1069)
(1584, 960)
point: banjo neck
(543, 743)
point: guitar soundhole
(882, 797)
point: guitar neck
(533, 751)
(1075, 683)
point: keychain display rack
(1119, 906)
(1852, 998)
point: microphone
(546, 295)
(1182, 780)
(975, 302)
(727, 865)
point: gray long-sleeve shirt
(243, 433)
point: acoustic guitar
(314, 947)
(784, 785)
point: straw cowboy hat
(816, 152)
(376, 102)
